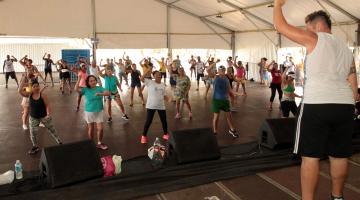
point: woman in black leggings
(155, 102)
(275, 83)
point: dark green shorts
(218, 105)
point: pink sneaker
(143, 139)
(101, 146)
(178, 116)
(166, 136)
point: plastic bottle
(157, 158)
(18, 170)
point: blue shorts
(135, 84)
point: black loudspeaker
(192, 145)
(277, 133)
(70, 163)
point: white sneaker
(25, 127)
(41, 125)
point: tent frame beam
(358, 35)
(174, 2)
(246, 12)
(245, 8)
(168, 37)
(202, 19)
(218, 34)
(337, 7)
(94, 40)
(192, 14)
(273, 29)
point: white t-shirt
(156, 93)
(94, 71)
(9, 66)
(200, 67)
(327, 68)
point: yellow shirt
(162, 66)
(145, 69)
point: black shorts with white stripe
(325, 130)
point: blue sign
(71, 56)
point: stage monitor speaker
(277, 133)
(70, 163)
(192, 145)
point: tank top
(37, 107)
(288, 90)
(240, 72)
(326, 70)
(83, 76)
(64, 68)
(9, 66)
(221, 86)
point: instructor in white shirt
(325, 124)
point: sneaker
(166, 136)
(143, 139)
(58, 141)
(233, 133)
(125, 117)
(178, 116)
(101, 146)
(33, 150)
(336, 198)
(109, 120)
(190, 115)
(41, 125)
(25, 127)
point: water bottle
(157, 158)
(18, 170)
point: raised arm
(101, 73)
(77, 88)
(298, 35)
(14, 59)
(235, 60)
(22, 61)
(44, 56)
(270, 66)
(141, 61)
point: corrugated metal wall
(34, 51)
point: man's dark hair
(319, 15)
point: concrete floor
(122, 137)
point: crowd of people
(95, 81)
(99, 84)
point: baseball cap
(221, 67)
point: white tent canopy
(169, 23)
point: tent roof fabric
(190, 18)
